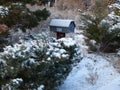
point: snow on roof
(60, 22)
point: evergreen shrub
(40, 61)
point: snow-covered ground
(94, 72)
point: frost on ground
(115, 85)
(94, 72)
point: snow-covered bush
(92, 45)
(3, 11)
(118, 52)
(13, 84)
(16, 14)
(105, 28)
(38, 61)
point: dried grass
(92, 78)
(116, 65)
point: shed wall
(71, 27)
(59, 29)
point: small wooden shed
(62, 26)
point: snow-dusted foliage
(3, 11)
(16, 14)
(3, 65)
(13, 84)
(38, 61)
(113, 19)
(112, 24)
(41, 87)
(118, 52)
(105, 28)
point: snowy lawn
(94, 72)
